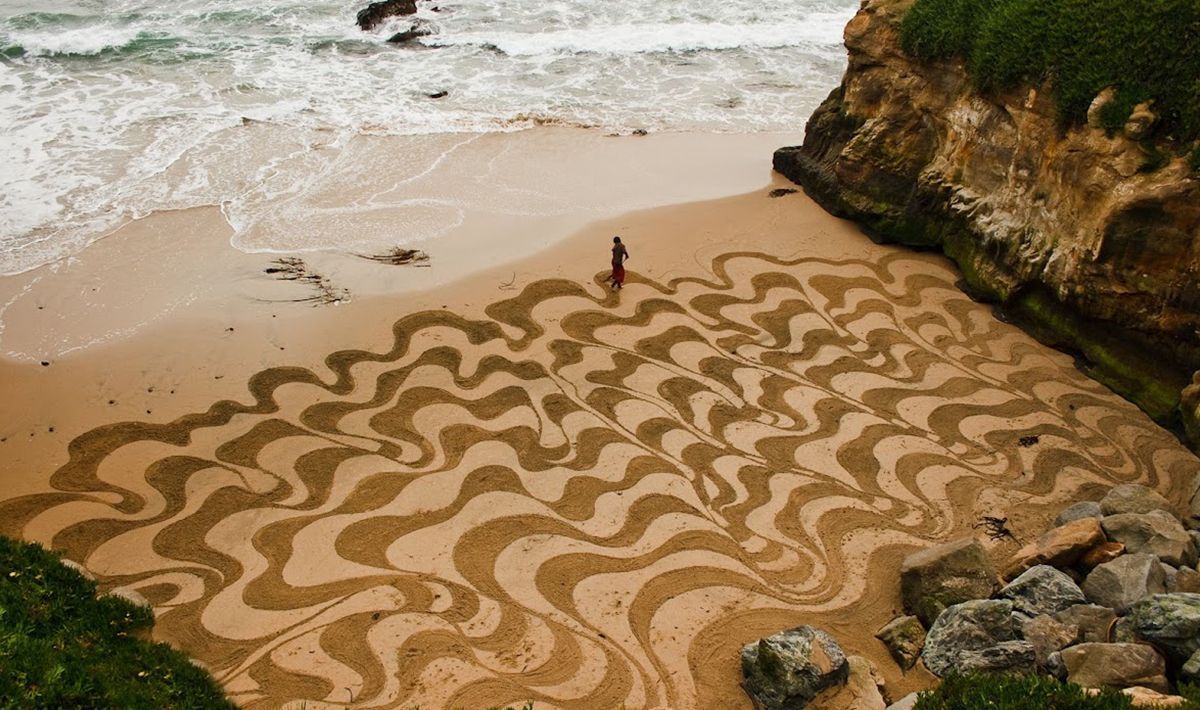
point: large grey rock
(1170, 576)
(1004, 657)
(1125, 580)
(1132, 498)
(976, 635)
(1158, 533)
(787, 670)
(1190, 673)
(1171, 622)
(1094, 622)
(1047, 635)
(1060, 547)
(860, 692)
(1115, 665)
(904, 637)
(1042, 590)
(1085, 509)
(939, 577)
(1055, 666)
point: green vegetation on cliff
(62, 646)
(977, 691)
(1147, 49)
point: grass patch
(1146, 49)
(1014, 692)
(61, 646)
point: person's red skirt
(618, 275)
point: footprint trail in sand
(585, 499)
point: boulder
(908, 702)
(1094, 622)
(976, 636)
(372, 15)
(938, 577)
(1042, 590)
(1157, 532)
(1170, 577)
(1060, 547)
(78, 568)
(1098, 555)
(1055, 666)
(904, 637)
(1125, 580)
(861, 691)
(790, 668)
(1122, 631)
(1190, 672)
(1140, 697)
(1085, 509)
(1171, 622)
(1047, 636)
(1004, 657)
(132, 596)
(1186, 580)
(1132, 498)
(1115, 665)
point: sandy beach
(492, 479)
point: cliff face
(1086, 239)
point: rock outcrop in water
(1088, 239)
(372, 15)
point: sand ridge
(588, 499)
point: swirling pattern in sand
(591, 499)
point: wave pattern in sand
(587, 499)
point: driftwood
(290, 268)
(398, 256)
(996, 528)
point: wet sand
(495, 480)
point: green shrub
(1014, 692)
(1147, 49)
(61, 646)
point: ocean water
(112, 109)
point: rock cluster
(1110, 597)
(1105, 599)
(378, 13)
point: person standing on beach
(619, 255)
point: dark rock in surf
(372, 15)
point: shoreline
(386, 495)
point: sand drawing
(586, 499)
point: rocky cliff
(1089, 239)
